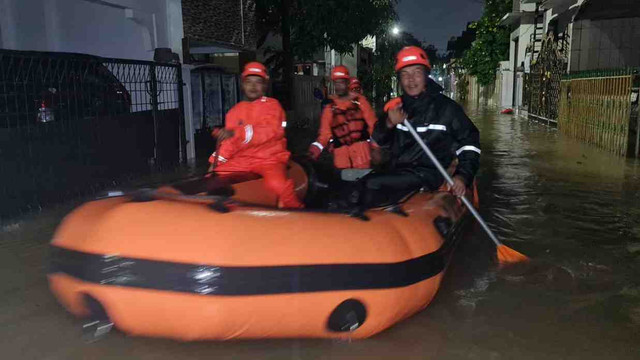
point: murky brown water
(574, 209)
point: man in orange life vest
(253, 139)
(348, 120)
(355, 86)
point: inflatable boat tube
(193, 267)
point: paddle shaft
(217, 153)
(449, 180)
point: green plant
(492, 42)
(309, 26)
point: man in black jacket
(440, 122)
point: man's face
(253, 87)
(342, 87)
(356, 89)
(413, 79)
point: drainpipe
(155, 31)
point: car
(44, 87)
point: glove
(392, 104)
(212, 159)
(314, 152)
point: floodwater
(572, 208)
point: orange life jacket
(348, 125)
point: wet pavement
(572, 208)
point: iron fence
(600, 108)
(543, 82)
(72, 123)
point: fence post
(153, 93)
(181, 125)
(637, 133)
(635, 88)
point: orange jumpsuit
(349, 123)
(259, 146)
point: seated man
(439, 121)
(253, 139)
(355, 86)
(347, 121)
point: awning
(514, 18)
(211, 47)
(510, 18)
(565, 4)
(608, 9)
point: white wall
(605, 44)
(333, 59)
(506, 88)
(351, 61)
(523, 34)
(101, 28)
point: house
(605, 35)
(219, 39)
(127, 29)
(580, 34)
(525, 20)
(219, 34)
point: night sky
(435, 21)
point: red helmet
(339, 72)
(255, 68)
(354, 83)
(412, 55)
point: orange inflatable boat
(190, 266)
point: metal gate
(71, 124)
(601, 108)
(543, 82)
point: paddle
(505, 254)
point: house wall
(227, 21)
(351, 61)
(605, 44)
(523, 34)
(333, 59)
(520, 38)
(96, 27)
(506, 89)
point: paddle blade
(507, 256)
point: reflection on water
(572, 208)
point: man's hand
(376, 155)
(314, 152)
(459, 188)
(396, 116)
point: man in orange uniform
(348, 120)
(253, 139)
(355, 86)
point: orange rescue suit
(259, 146)
(349, 123)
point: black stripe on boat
(262, 280)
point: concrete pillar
(188, 113)
(8, 39)
(175, 29)
(52, 24)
